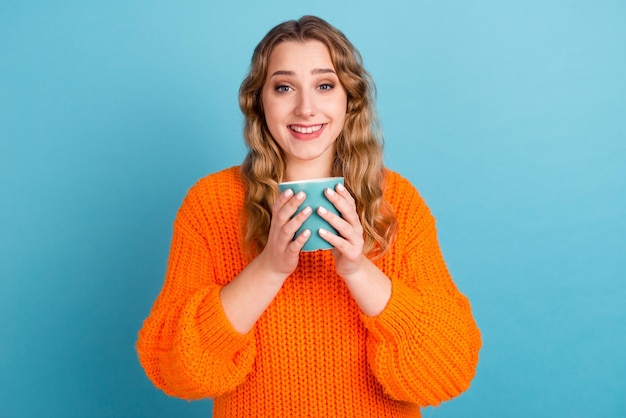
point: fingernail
(340, 187)
(300, 195)
(307, 210)
(330, 191)
(322, 210)
(288, 193)
(322, 231)
(306, 233)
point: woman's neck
(306, 170)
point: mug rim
(307, 181)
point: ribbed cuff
(215, 331)
(397, 316)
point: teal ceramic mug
(314, 190)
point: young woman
(373, 327)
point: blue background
(509, 117)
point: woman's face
(305, 106)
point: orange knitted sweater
(313, 353)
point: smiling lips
(305, 129)
(307, 132)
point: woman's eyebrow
(323, 71)
(314, 71)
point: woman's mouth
(307, 132)
(305, 129)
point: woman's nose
(305, 105)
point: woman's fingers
(296, 245)
(343, 228)
(348, 251)
(348, 225)
(286, 205)
(285, 224)
(294, 224)
(281, 251)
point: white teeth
(306, 130)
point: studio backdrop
(508, 116)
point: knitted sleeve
(187, 346)
(423, 347)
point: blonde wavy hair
(359, 147)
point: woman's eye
(283, 89)
(326, 86)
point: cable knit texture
(313, 353)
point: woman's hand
(348, 251)
(247, 296)
(369, 286)
(281, 253)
